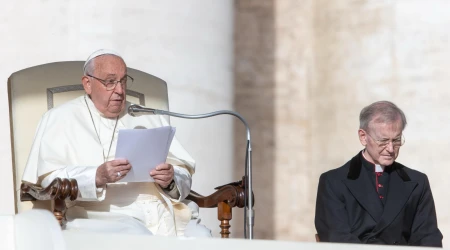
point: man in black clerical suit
(373, 199)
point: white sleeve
(174, 193)
(183, 165)
(183, 182)
(85, 177)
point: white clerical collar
(378, 168)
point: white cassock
(66, 145)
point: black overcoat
(348, 208)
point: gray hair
(89, 68)
(381, 112)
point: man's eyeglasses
(111, 84)
(382, 143)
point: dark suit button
(395, 243)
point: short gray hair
(382, 112)
(89, 68)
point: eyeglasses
(396, 143)
(111, 84)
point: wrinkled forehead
(386, 129)
(109, 65)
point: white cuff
(87, 187)
(174, 193)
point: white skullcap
(100, 52)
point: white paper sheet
(145, 149)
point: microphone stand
(136, 110)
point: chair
(34, 90)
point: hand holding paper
(163, 174)
(144, 149)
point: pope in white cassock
(78, 140)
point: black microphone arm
(136, 110)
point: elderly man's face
(109, 102)
(379, 134)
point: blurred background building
(298, 71)
(305, 69)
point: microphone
(136, 110)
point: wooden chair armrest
(233, 195)
(59, 189)
(225, 198)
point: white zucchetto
(100, 52)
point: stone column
(255, 100)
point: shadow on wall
(254, 98)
